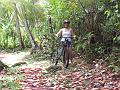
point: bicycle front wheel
(65, 57)
(56, 56)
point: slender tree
(21, 44)
(34, 44)
(50, 24)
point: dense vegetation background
(32, 24)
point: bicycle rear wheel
(65, 57)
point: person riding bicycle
(66, 31)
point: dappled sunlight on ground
(13, 58)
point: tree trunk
(50, 24)
(21, 44)
(34, 44)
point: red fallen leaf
(27, 71)
(95, 89)
(29, 77)
(97, 85)
(61, 88)
(28, 74)
(23, 83)
(21, 68)
(102, 82)
(57, 87)
(39, 69)
(27, 88)
(76, 73)
(42, 83)
(81, 78)
(35, 84)
(50, 88)
(61, 80)
(68, 76)
(31, 80)
(35, 78)
(118, 84)
(98, 78)
(35, 69)
(76, 82)
(62, 76)
(39, 88)
(104, 89)
(76, 78)
(116, 88)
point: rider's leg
(70, 54)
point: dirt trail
(37, 78)
(11, 59)
(34, 77)
(81, 76)
(31, 71)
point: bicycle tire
(59, 53)
(55, 56)
(65, 57)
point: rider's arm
(72, 33)
(59, 34)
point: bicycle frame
(61, 50)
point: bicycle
(61, 50)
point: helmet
(66, 21)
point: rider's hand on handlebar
(74, 36)
(56, 35)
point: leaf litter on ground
(80, 77)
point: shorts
(64, 44)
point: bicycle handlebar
(66, 37)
